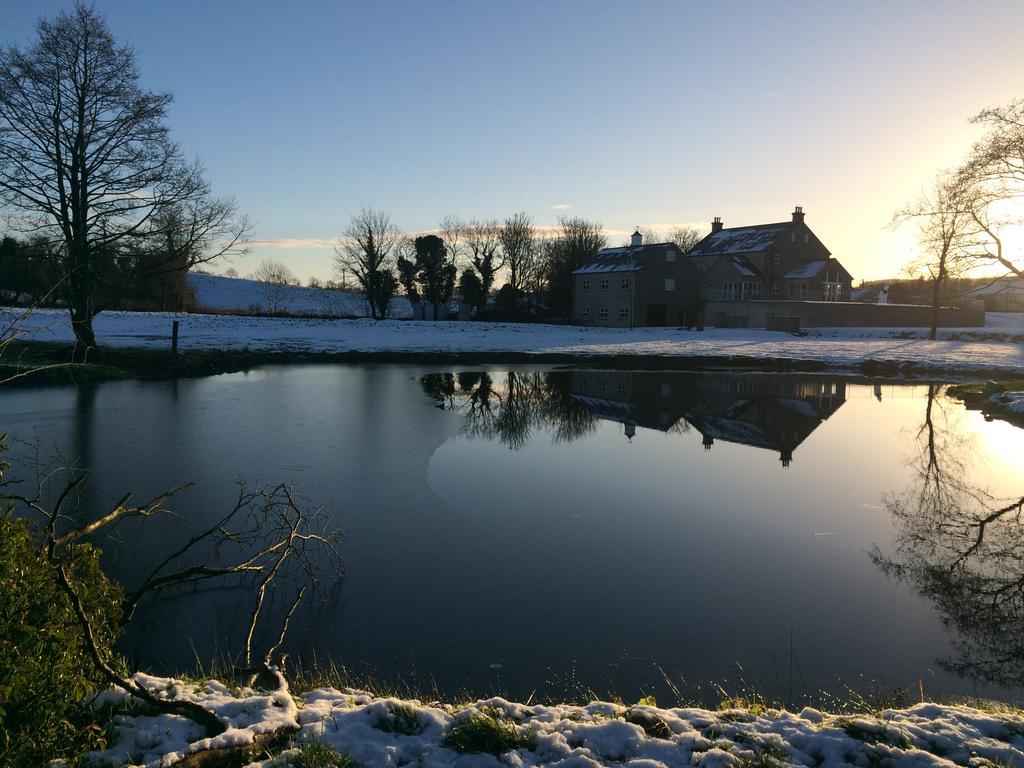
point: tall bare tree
(367, 249)
(483, 242)
(86, 159)
(575, 244)
(519, 246)
(452, 230)
(944, 225)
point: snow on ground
(959, 349)
(235, 294)
(375, 732)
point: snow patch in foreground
(570, 736)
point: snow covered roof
(740, 240)
(805, 270)
(1004, 286)
(627, 258)
(744, 267)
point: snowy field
(375, 732)
(214, 293)
(999, 347)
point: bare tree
(86, 160)
(519, 246)
(576, 243)
(452, 231)
(367, 249)
(276, 278)
(943, 223)
(483, 241)
(685, 237)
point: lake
(528, 531)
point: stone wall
(817, 314)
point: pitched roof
(755, 239)
(627, 258)
(808, 269)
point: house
(1004, 295)
(782, 261)
(653, 284)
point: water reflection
(776, 412)
(962, 547)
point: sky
(643, 113)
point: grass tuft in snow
(400, 718)
(316, 754)
(486, 732)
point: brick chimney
(637, 239)
(716, 225)
(798, 215)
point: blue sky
(643, 113)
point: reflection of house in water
(774, 412)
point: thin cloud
(561, 207)
(294, 243)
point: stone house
(781, 261)
(636, 285)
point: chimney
(716, 225)
(637, 239)
(798, 215)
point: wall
(816, 314)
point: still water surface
(531, 530)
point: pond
(555, 532)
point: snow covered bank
(372, 731)
(215, 293)
(833, 347)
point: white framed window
(776, 288)
(666, 389)
(803, 289)
(807, 237)
(602, 313)
(670, 283)
(670, 256)
(604, 284)
(623, 313)
(624, 283)
(745, 289)
(757, 291)
(839, 291)
(777, 259)
(730, 291)
(585, 314)
(586, 285)
(792, 237)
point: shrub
(46, 672)
(484, 732)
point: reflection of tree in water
(511, 410)
(963, 549)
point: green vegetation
(46, 672)
(400, 718)
(487, 732)
(316, 754)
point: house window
(839, 291)
(624, 283)
(666, 389)
(670, 256)
(586, 285)
(586, 313)
(621, 389)
(602, 313)
(807, 238)
(623, 313)
(776, 289)
(583, 382)
(803, 289)
(757, 291)
(792, 237)
(730, 291)
(670, 283)
(604, 285)
(777, 259)
(600, 385)
(745, 291)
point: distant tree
(408, 270)
(452, 229)
(508, 301)
(519, 246)
(365, 250)
(943, 222)
(314, 282)
(685, 237)
(275, 277)
(576, 243)
(483, 242)
(230, 272)
(471, 288)
(435, 272)
(87, 162)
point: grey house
(636, 285)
